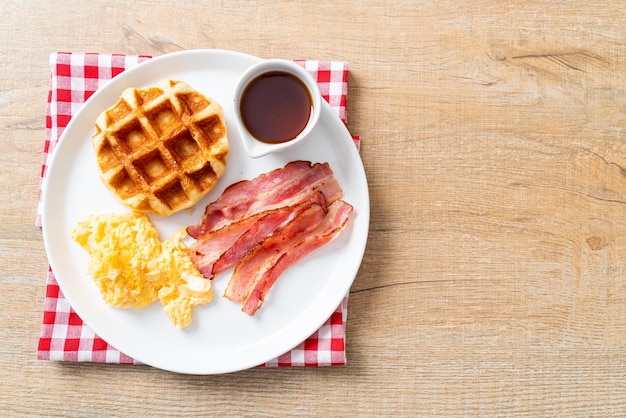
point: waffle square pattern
(160, 149)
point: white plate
(221, 338)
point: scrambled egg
(133, 268)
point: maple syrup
(275, 107)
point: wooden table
(494, 140)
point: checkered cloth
(64, 336)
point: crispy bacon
(294, 183)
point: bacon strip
(258, 272)
(296, 182)
(212, 245)
(250, 269)
(327, 231)
(262, 229)
(219, 250)
(265, 225)
(333, 224)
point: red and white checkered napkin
(64, 336)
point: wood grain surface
(494, 140)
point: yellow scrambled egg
(133, 268)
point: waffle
(162, 148)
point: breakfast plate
(222, 338)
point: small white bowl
(254, 147)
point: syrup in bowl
(276, 105)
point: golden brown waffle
(161, 149)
